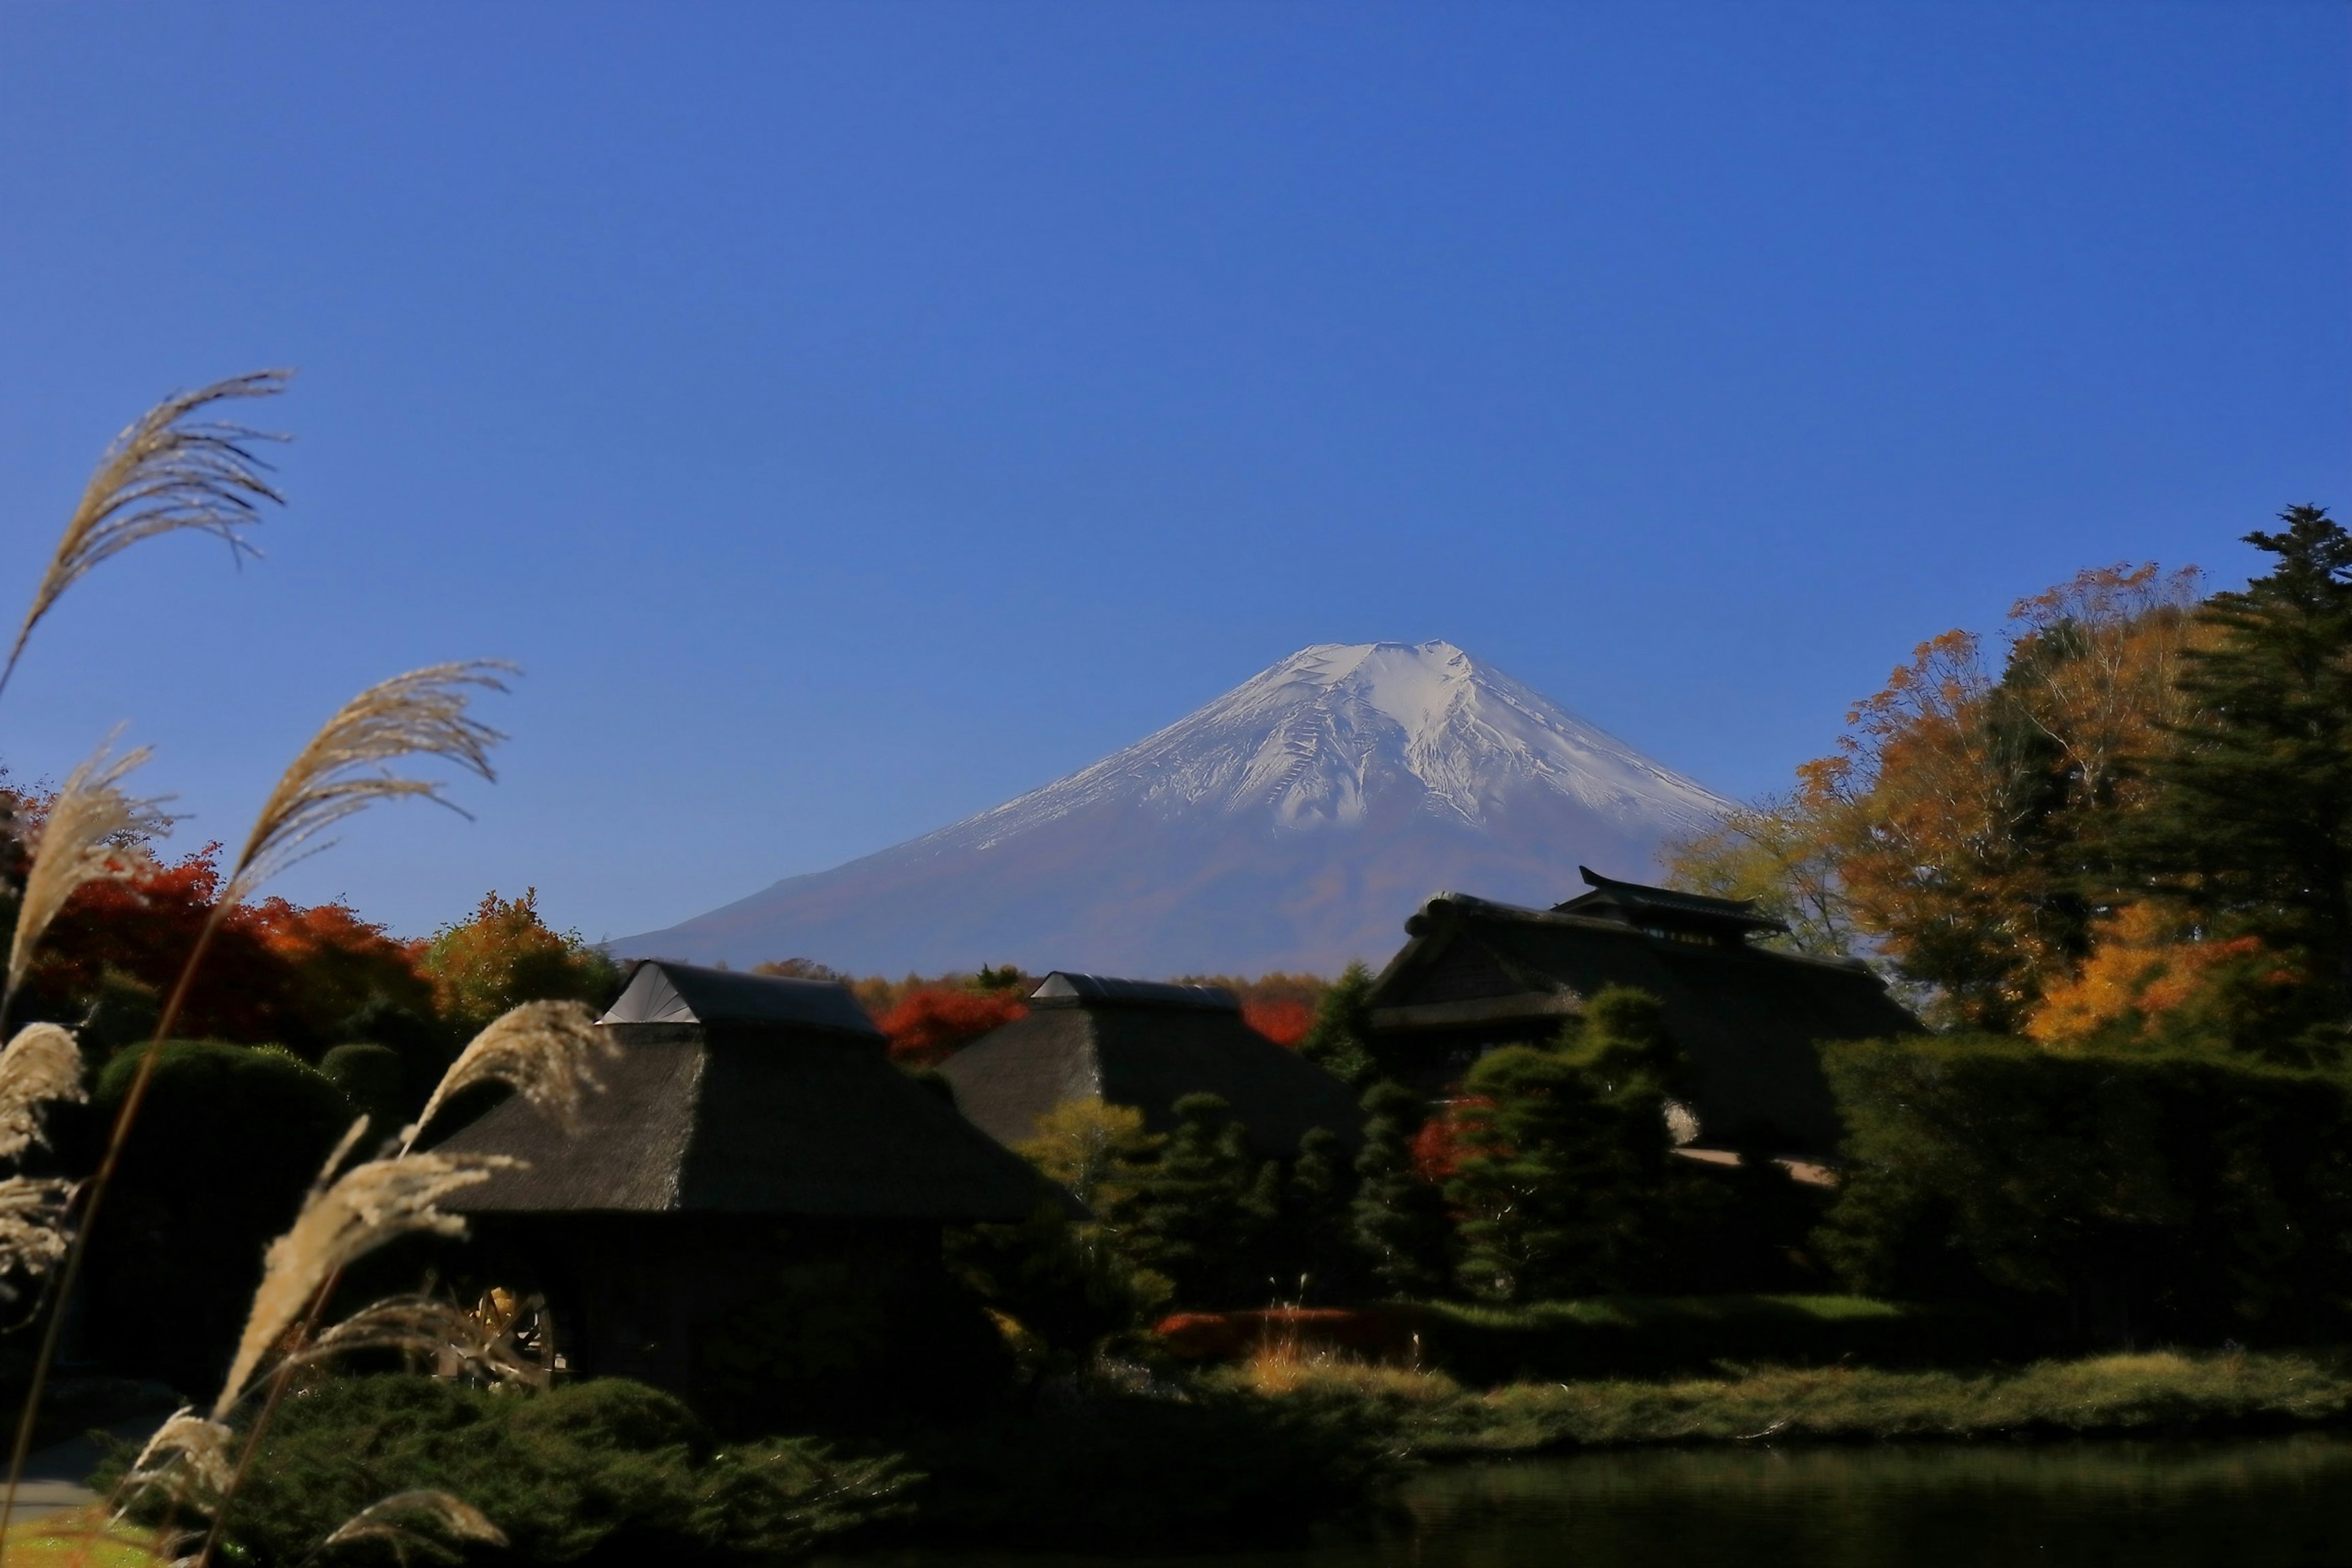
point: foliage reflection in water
(2252, 1503)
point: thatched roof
(741, 1094)
(1476, 975)
(1137, 1043)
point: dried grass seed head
(172, 471)
(41, 1064)
(344, 769)
(190, 1444)
(420, 1325)
(343, 1221)
(545, 1050)
(432, 1523)
(90, 832)
(33, 1233)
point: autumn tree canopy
(1966, 830)
(505, 955)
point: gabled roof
(1064, 989)
(1142, 1044)
(1476, 974)
(747, 1095)
(661, 992)
(1637, 904)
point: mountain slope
(1291, 824)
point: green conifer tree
(1340, 1042)
(1562, 1179)
(1200, 1215)
(2251, 825)
(1399, 1220)
(1316, 1257)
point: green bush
(599, 1471)
(228, 1140)
(373, 1079)
(2114, 1195)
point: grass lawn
(2157, 1392)
(78, 1540)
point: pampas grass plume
(451, 1519)
(90, 833)
(543, 1048)
(32, 1223)
(343, 1219)
(169, 473)
(41, 1064)
(343, 771)
(201, 1447)
(423, 1326)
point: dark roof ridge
(1062, 988)
(662, 991)
(1418, 925)
(1669, 902)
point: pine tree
(1200, 1215)
(1399, 1221)
(2252, 825)
(1316, 1250)
(1340, 1042)
(1563, 1181)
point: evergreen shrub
(2121, 1196)
(604, 1471)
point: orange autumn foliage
(1958, 831)
(2142, 969)
(927, 1027)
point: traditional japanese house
(1476, 975)
(754, 1203)
(1147, 1045)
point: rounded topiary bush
(229, 1138)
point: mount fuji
(1291, 824)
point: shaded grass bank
(2164, 1392)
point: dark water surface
(2247, 1503)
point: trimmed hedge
(2111, 1196)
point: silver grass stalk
(544, 1049)
(33, 1233)
(185, 1444)
(343, 771)
(89, 833)
(450, 1519)
(343, 1221)
(42, 1064)
(423, 1326)
(170, 472)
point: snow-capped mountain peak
(1292, 822)
(1316, 739)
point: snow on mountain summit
(1309, 743)
(1292, 822)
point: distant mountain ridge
(1291, 824)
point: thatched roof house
(1146, 1045)
(754, 1175)
(741, 1094)
(1476, 974)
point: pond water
(2246, 1503)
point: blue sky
(853, 415)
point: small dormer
(1667, 914)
